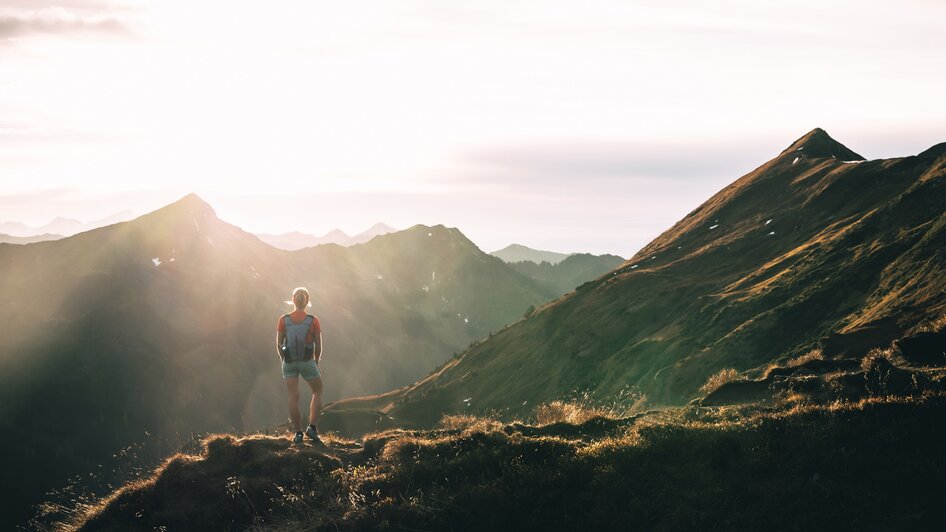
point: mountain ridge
(748, 278)
(61, 226)
(166, 323)
(296, 240)
(520, 253)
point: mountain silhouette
(815, 247)
(296, 240)
(60, 226)
(562, 277)
(8, 239)
(164, 325)
(519, 253)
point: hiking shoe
(313, 434)
(297, 438)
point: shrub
(880, 357)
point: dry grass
(463, 422)
(476, 473)
(567, 412)
(814, 354)
(875, 356)
(720, 378)
(936, 325)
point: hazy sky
(566, 125)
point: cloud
(58, 21)
(38, 197)
(581, 163)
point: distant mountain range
(562, 277)
(7, 239)
(557, 273)
(61, 227)
(295, 240)
(165, 326)
(815, 249)
(519, 253)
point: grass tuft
(720, 378)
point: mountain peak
(817, 143)
(190, 208)
(192, 203)
(380, 228)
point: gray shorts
(307, 369)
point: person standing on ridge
(299, 346)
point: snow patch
(430, 234)
(714, 226)
(852, 162)
(380, 277)
(800, 149)
(426, 289)
(433, 276)
(466, 320)
(634, 266)
(796, 160)
(172, 259)
(771, 233)
(767, 222)
(156, 261)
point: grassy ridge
(875, 464)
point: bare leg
(316, 405)
(292, 385)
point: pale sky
(565, 125)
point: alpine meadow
(462, 267)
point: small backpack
(294, 347)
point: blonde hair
(300, 298)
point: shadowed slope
(163, 326)
(874, 464)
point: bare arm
(317, 344)
(280, 337)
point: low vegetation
(724, 376)
(796, 463)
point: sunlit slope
(166, 324)
(815, 241)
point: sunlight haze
(569, 126)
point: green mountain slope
(562, 277)
(815, 243)
(164, 326)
